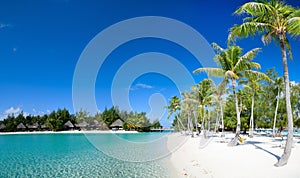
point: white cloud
(293, 83)
(141, 86)
(12, 110)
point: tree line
(55, 121)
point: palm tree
(218, 99)
(278, 85)
(173, 108)
(275, 20)
(232, 65)
(252, 83)
(203, 93)
(189, 104)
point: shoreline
(199, 157)
(71, 132)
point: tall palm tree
(218, 99)
(253, 85)
(275, 20)
(203, 93)
(278, 85)
(232, 66)
(188, 106)
(173, 108)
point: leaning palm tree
(232, 66)
(253, 85)
(278, 85)
(275, 20)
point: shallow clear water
(75, 155)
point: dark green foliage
(56, 119)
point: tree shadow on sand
(256, 143)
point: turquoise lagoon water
(83, 155)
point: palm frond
(267, 38)
(256, 75)
(247, 29)
(254, 9)
(244, 61)
(293, 26)
(217, 48)
(217, 72)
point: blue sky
(41, 42)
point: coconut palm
(275, 20)
(253, 85)
(203, 93)
(278, 85)
(218, 99)
(173, 108)
(232, 66)
(188, 106)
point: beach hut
(2, 127)
(33, 127)
(82, 125)
(45, 127)
(69, 126)
(117, 124)
(21, 126)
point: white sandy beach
(255, 158)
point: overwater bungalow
(117, 124)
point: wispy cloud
(36, 112)
(141, 86)
(3, 25)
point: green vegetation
(259, 100)
(275, 20)
(56, 120)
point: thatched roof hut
(117, 124)
(21, 126)
(34, 126)
(69, 124)
(2, 126)
(44, 126)
(82, 124)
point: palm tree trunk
(204, 122)
(217, 121)
(238, 126)
(208, 118)
(222, 117)
(288, 146)
(251, 117)
(275, 115)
